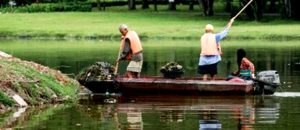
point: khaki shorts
(135, 66)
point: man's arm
(125, 50)
(223, 34)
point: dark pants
(208, 69)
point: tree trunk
(259, 6)
(172, 5)
(272, 7)
(228, 6)
(255, 10)
(208, 7)
(155, 4)
(287, 9)
(191, 5)
(131, 4)
(98, 4)
(295, 10)
(249, 10)
(21, 2)
(145, 4)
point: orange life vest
(209, 45)
(135, 43)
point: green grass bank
(35, 83)
(149, 24)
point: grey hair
(123, 26)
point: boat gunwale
(157, 79)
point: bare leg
(205, 77)
(131, 75)
(128, 74)
(136, 74)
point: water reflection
(163, 112)
(209, 120)
(182, 112)
(287, 94)
(280, 111)
(72, 56)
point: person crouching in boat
(131, 50)
(246, 68)
(211, 52)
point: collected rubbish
(172, 70)
(97, 71)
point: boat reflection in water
(190, 112)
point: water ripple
(287, 94)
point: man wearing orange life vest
(131, 50)
(211, 52)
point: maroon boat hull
(159, 85)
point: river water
(163, 112)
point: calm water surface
(164, 112)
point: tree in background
(272, 7)
(28, 2)
(172, 4)
(208, 7)
(228, 7)
(255, 10)
(290, 9)
(24, 2)
(3, 2)
(131, 4)
(145, 4)
(287, 8)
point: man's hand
(231, 20)
(230, 23)
(253, 76)
(234, 73)
(221, 53)
(118, 60)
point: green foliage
(45, 80)
(36, 86)
(70, 1)
(4, 99)
(50, 7)
(28, 2)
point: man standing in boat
(131, 50)
(211, 52)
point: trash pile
(172, 70)
(97, 71)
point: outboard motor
(267, 81)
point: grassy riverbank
(35, 83)
(163, 24)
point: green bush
(50, 7)
(73, 0)
(28, 2)
(4, 99)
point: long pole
(117, 64)
(242, 9)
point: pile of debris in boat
(172, 70)
(97, 71)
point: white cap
(123, 26)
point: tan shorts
(135, 66)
